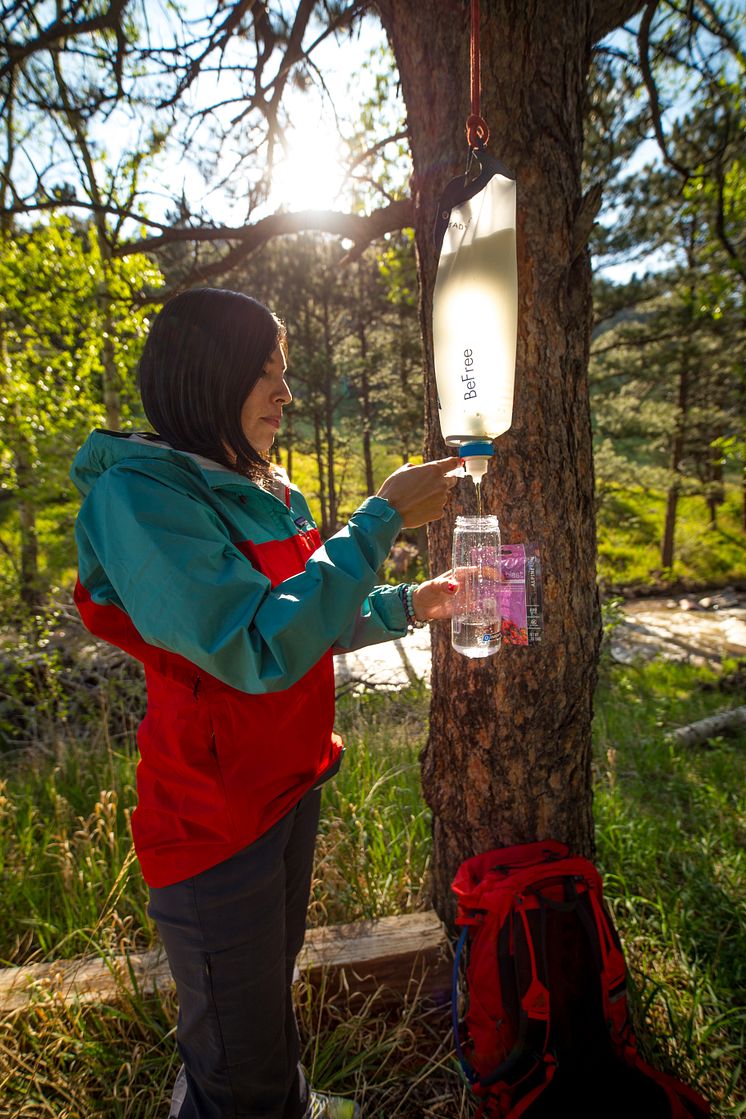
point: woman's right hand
(419, 493)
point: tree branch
(59, 31)
(294, 49)
(402, 135)
(218, 39)
(636, 343)
(607, 17)
(83, 147)
(80, 204)
(718, 28)
(694, 734)
(643, 40)
(361, 229)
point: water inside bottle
(475, 639)
(476, 626)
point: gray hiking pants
(231, 935)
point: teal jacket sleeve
(171, 565)
(380, 618)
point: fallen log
(390, 955)
(694, 734)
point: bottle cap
(476, 456)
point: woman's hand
(419, 493)
(435, 598)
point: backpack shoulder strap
(529, 1053)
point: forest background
(120, 176)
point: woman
(202, 561)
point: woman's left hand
(435, 598)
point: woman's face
(262, 409)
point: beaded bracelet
(413, 622)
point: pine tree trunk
(29, 589)
(321, 475)
(668, 544)
(331, 481)
(715, 491)
(110, 379)
(406, 376)
(331, 463)
(370, 485)
(289, 439)
(23, 464)
(508, 758)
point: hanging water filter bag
(475, 306)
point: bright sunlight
(310, 175)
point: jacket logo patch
(302, 524)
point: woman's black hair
(206, 350)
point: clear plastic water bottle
(475, 625)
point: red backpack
(547, 1030)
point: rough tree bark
(366, 407)
(23, 456)
(329, 438)
(508, 757)
(679, 437)
(677, 453)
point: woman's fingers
(419, 493)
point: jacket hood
(104, 449)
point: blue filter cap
(478, 447)
(476, 457)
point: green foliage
(378, 146)
(668, 352)
(79, 1061)
(667, 387)
(69, 882)
(70, 885)
(61, 307)
(630, 525)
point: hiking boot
(321, 1106)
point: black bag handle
(461, 189)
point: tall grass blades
(70, 882)
(671, 826)
(374, 844)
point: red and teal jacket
(227, 595)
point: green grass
(69, 882)
(671, 832)
(630, 529)
(374, 842)
(671, 825)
